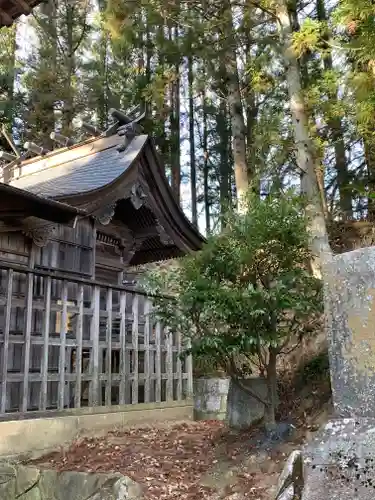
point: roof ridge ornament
(126, 119)
(34, 148)
(7, 156)
(129, 132)
(90, 129)
(61, 139)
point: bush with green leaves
(247, 296)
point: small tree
(247, 296)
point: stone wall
(29, 483)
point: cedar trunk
(306, 158)
(270, 407)
(336, 131)
(235, 109)
(193, 170)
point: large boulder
(243, 410)
(29, 483)
(349, 304)
(339, 464)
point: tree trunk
(225, 165)
(175, 125)
(42, 112)
(7, 74)
(236, 109)
(193, 170)
(162, 106)
(206, 194)
(103, 46)
(68, 109)
(102, 105)
(337, 133)
(370, 162)
(270, 407)
(306, 158)
(251, 111)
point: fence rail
(67, 343)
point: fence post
(147, 371)
(135, 312)
(158, 331)
(8, 310)
(178, 367)
(26, 366)
(122, 370)
(79, 340)
(62, 354)
(108, 361)
(94, 386)
(45, 355)
(189, 371)
(169, 363)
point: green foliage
(248, 291)
(309, 37)
(8, 103)
(315, 369)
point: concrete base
(26, 439)
(210, 398)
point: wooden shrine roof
(10, 10)
(18, 203)
(120, 181)
(80, 169)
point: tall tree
(231, 79)
(306, 157)
(7, 80)
(334, 122)
(193, 169)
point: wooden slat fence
(68, 343)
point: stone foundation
(210, 398)
(34, 437)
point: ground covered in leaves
(185, 461)
(206, 460)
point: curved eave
(147, 165)
(182, 228)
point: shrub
(247, 296)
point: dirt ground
(205, 460)
(185, 461)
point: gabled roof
(79, 169)
(121, 182)
(10, 10)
